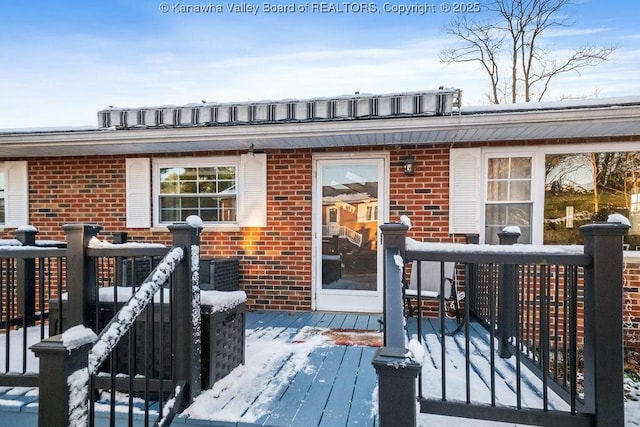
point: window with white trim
(508, 199)
(222, 190)
(208, 191)
(490, 190)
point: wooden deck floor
(333, 386)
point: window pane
(496, 214)
(1, 211)
(491, 234)
(209, 192)
(228, 172)
(518, 214)
(206, 187)
(497, 191)
(498, 168)
(226, 186)
(169, 187)
(169, 203)
(209, 215)
(499, 216)
(520, 191)
(189, 174)
(209, 202)
(521, 167)
(207, 174)
(189, 202)
(169, 174)
(188, 188)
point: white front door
(349, 205)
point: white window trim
(490, 154)
(538, 154)
(190, 162)
(251, 182)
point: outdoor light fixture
(409, 166)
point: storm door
(349, 206)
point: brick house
(296, 189)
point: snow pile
(621, 219)
(398, 261)
(512, 229)
(96, 243)
(222, 300)
(406, 221)
(462, 248)
(168, 407)
(195, 221)
(10, 242)
(271, 362)
(78, 336)
(416, 351)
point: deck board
(362, 414)
(320, 390)
(339, 403)
(293, 396)
(337, 383)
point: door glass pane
(349, 226)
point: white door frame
(343, 300)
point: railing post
(393, 242)
(471, 278)
(27, 278)
(187, 355)
(57, 363)
(506, 297)
(603, 348)
(396, 372)
(119, 237)
(81, 276)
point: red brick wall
(276, 260)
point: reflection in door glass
(349, 227)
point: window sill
(227, 228)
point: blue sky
(63, 61)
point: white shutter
(252, 211)
(16, 194)
(138, 193)
(465, 190)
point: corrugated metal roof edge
(497, 110)
(575, 104)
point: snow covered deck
(310, 369)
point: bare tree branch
(515, 31)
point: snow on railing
(121, 324)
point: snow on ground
(272, 359)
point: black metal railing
(31, 273)
(146, 348)
(556, 312)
